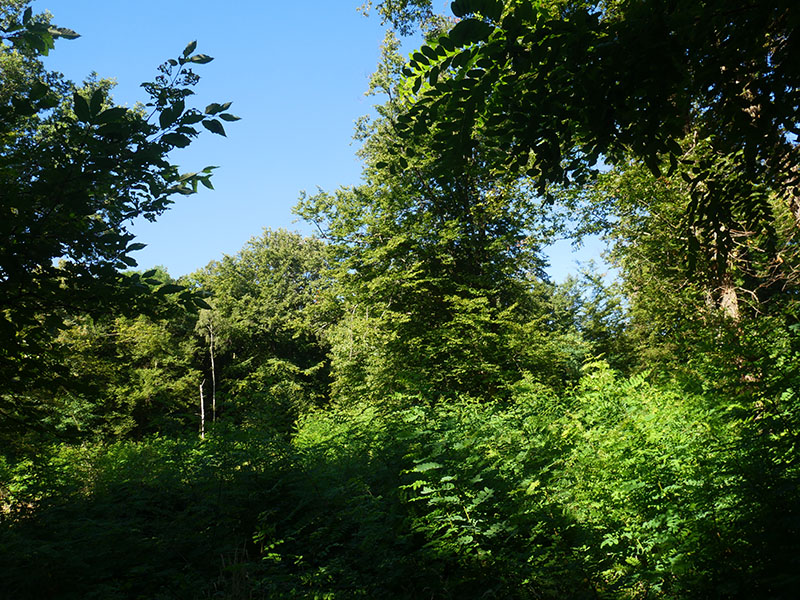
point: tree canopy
(708, 89)
(76, 170)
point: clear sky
(296, 73)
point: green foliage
(26, 33)
(76, 170)
(729, 328)
(598, 310)
(142, 367)
(429, 303)
(432, 271)
(677, 486)
(405, 16)
(151, 519)
(623, 489)
(269, 362)
(113, 377)
(549, 89)
(400, 411)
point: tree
(735, 329)
(75, 170)
(263, 354)
(406, 15)
(109, 376)
(552, 88)
(596, 308)
(432, 270)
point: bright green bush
(623, 489)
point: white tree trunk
(202, 413)
(213, 375)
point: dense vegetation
(406, 406)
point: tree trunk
(213, 374)
(202, 412)
(728, 300)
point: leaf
(166, 118)
(170, 288)
(134, 247)
(49, 101)
(215, 107)
(38, 90)
(81, 107)
(201, 59)
(63, 32)
(427, 466)
(113, 130)
(465, 539)
(190, 47)
(22, 106)
(462, 58)
(652, 163)
(493, 9)
(446, 43)
(609, 540)
(674, 147)
(111, 114)
(170, 115)
(214, 126)
(229, 117)
(429, 52)
(96, 103)
(177, 140)
(460, 8)
(470, 31)
(421, 58)
(433, 75)
(200, 303)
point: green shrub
(623, 489)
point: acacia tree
(75, 170)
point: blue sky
(296, 73)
